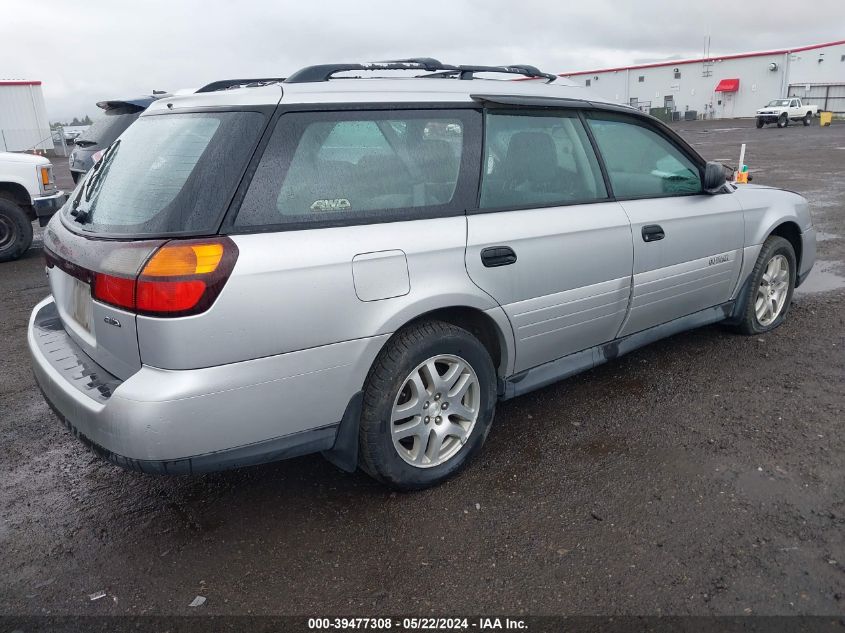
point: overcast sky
(88, 50)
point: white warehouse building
(23, 117)
(728, 86)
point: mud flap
(344, 452)
(738, 309)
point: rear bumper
(46, 206)
(198, 420)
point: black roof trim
(530, 100)
(534, 101)
(323, 72)
(225, 84)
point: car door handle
(494, 256)
(653, 232)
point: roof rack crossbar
(432, 63)
(323, 72)
(225, 84)
(467, 72)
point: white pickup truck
(28, 192)
(782, 111)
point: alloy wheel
(773, 290)
(435, 411)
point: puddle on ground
(823, 278)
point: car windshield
(171, 173)
(779, 103)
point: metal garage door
(829, 97)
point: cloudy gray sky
(87, 50)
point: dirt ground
(704, 474)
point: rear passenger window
(341, 166)
(641, 162)
(538, 160)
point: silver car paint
(381, 275)
(162, 415)
(269, 305)
(382, 91)
(765, 208)
(569, 287)
(115, 348)
(693, 267)
(273, 356)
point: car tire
(759, 123)
(768, 289)
(75, 176)
(417, 430)
(808, 118)
(783, 120)
(15, 231)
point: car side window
(367, 166)
(640, 162)
(542, 159)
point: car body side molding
(555, 370)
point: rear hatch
(126, 242)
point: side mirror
(714, 176)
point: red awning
(728, 85)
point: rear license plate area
(81, 306)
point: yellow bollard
(825, 118)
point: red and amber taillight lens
(182, 277)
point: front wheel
(808, 118)
(770, 287)
(759, 123)
(429, 401)
(15, 231)
(783, 120)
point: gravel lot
(702, 475)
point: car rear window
(171, 173)
(107, 128)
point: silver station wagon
(363, 266)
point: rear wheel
(783, 120)
(759, 123)
(769, 292)
(808, 118)
(15, 231)
(429, 402)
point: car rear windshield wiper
(84, 143)
(81, 215)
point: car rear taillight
(182, 277)
(118, 291)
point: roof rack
(226, 84)
(323, 72)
